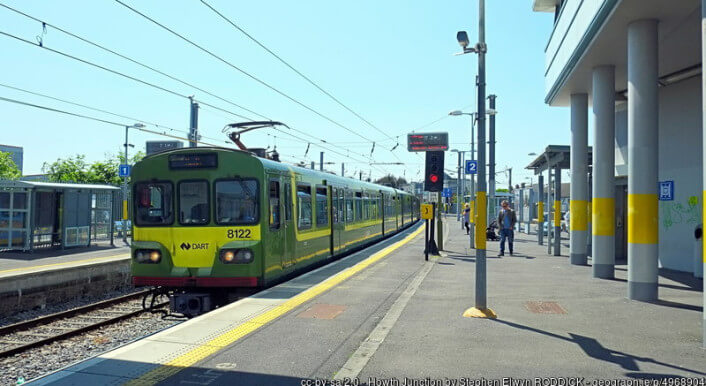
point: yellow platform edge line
(225, 339)
(93, 259)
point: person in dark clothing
(506, 223)
(467, 218)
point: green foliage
(76, 169)
(72, 169)
(8, 168)
(390, 180)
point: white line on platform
(362, 355)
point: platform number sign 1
(124, 170)
(471, 167)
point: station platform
(385, 315)
(31, 280)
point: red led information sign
(428, 141)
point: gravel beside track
(43, 360)
(50, 309)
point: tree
(72, 169)
(76, 169)
(8, 168)
(392, 181)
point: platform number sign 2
(471, 167)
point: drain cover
(322, 311)
(545, 308)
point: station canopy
(556, 156)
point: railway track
(23, 336)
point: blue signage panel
(471, 167)
(666, 190)
(124, 171)
(446, 192)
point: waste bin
(698, 251)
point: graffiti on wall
(674, 212)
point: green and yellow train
(213, 219)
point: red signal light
(433, 178)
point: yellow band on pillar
(471, 215)
(603, 216)
(540, 211)
(589, 212)
(124, 209)
(557, 213)
(642, 219)
(480, 220)
(579, 214)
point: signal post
(434, 144)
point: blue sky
(389, 61)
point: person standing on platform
(467, 218)
(506, 223)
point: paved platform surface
(386, 314)
(20, 263)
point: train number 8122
(238, 233)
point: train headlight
(236, 256)
(148, 256)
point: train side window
(287, 201)
(334, 205)
(341, 204)
(194, 207)
(349, 206)
(274, 205)
(358, 206)
(304, 217)
(321, 206)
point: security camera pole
(481, 309)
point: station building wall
(679, 148)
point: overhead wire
(125, 57)
(139, 81)
(251, 76)
(51, 109)
(229, 21)
(150, 84)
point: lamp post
(474, 116)
(127, 144)
(480, 310)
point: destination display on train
(193, 161)
(427, 141)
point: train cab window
(349, 206)
(236, 201)
(153, 203)
(194, 208)
(321, 206)
(274, 205)
(304, 207)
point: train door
(276, 244)
(381, 211)
(287, 225)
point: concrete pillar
(589, 238)
(604, 172)
(642, 160)
(540, 210)
(579, 189)
(557, 211)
